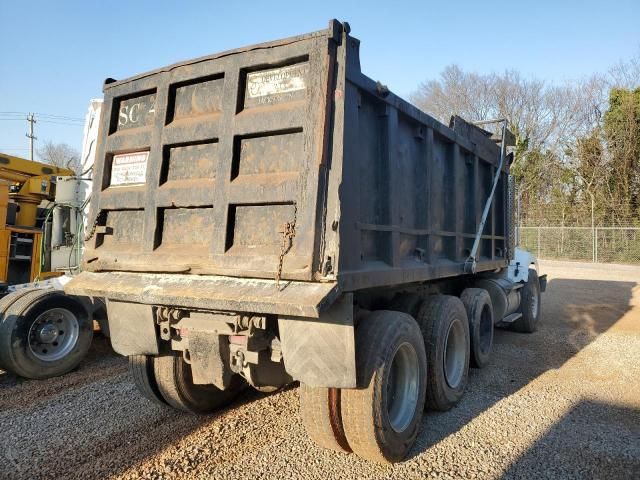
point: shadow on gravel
(108, 430)
(153, 430)
(604, 444)
(100, 363)
(574, 313)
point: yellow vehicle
(43, 332)
(24, 184)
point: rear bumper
(208, 292)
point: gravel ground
(561, 403)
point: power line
(46, 119)
(60, 117)
(73, 124)
(58, 122)
(43, 115)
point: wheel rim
(454, 354)
(403, 387)
(53, 334)
(486, 326)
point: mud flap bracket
(207, 355)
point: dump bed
(283, 161)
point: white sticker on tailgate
(129, 168)
(276, 81)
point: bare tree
(60, 155)
(542, 116)
(625, 74)
(456, 92)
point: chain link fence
(586, 244)
(584, 231)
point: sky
(55, 55)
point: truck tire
(408, 303)
(6, 302)
(141, 368)
(173, 377)
(445, 329)
(382, 416)
(321, 416)
(43, 334)
(530, 305)
(477, 303)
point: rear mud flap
(542, 279)
(321, 352)
(132, 328)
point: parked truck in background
(270, 214)
(43, 332)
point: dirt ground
(561, 403)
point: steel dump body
(282, 160)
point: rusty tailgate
(214, 166)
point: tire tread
(180, 393)
(474, 300)
(433, 313)
(318, 420)
(142, 371)
(5, 304)
(527, 324)
(19, 308)
(374, 340)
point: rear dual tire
(477, 303)
(167, 380)
(401, 365)
(380, 419)
(321, 414)
(141, 370)
(445, 328)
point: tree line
(577, 143)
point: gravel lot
(561, 403)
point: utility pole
(30, 135)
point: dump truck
(271, 214)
